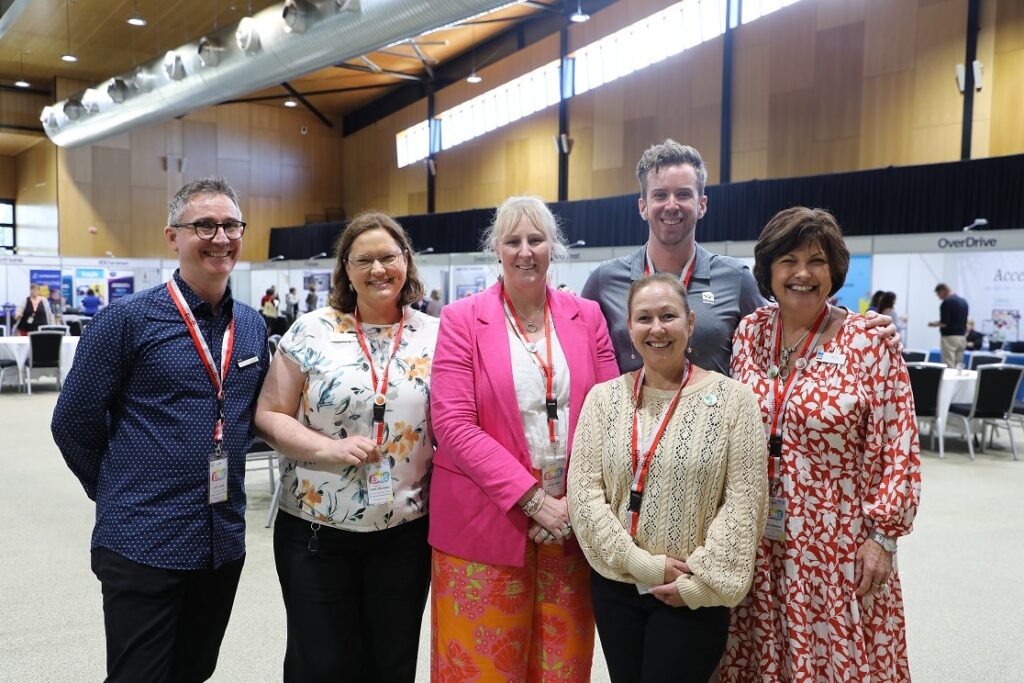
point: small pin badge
(710, 400)
(801, 363)
(773, 371)
(708, 297)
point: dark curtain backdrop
(912, 199)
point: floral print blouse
(337, 400)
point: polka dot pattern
(135, 424)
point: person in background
(434, 305)
(887, 307)
(974, 339)
(670, 527)
(312, 300)
(34, 314)
(844, 466)
(952, 324)
(90, 303)
(269, 308)
(510, 587)
(155, 419)
(876, 299)
(346, 404)
(291, 305)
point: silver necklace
(787, 350)
(530, 325)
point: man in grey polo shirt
(720, 289)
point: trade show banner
(90, 278)
(120, 284)
(993, 285)
(322, 280)
(855, 294)
(49, 283)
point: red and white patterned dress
(850, 463)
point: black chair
(925, 381)
(272, 343)
(911, 356)
(978, 359)
(994, 395)
(1015, 346)
(63, 329)
(44, 354)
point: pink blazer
(482, 464)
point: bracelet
(533, 506)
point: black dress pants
(355, 604)
(163, 624)
(645, 640)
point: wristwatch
(888, 544)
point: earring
(351, 288)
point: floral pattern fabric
(337, 400)
(850, 464)
(531, 623)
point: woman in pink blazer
(511, 597)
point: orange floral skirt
(521, 624)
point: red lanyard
(687, 270)
(640, 466)
(206, 357)
(781, 392)
(546, 369)
(380, 396)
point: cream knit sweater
(705, 499)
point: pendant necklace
(786, 351)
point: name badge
(708, 297)
(643, 588)
(247, 362)
(775, 527)
(342, 337)
(553, 476)
(831, 358)
(378, 482)
(218, 478)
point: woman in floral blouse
(346, 402)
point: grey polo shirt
(722, 291)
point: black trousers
(355, 605)
(646, 640)
(163, 624)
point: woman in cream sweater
(667, 495)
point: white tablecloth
(957, 387)
(17, 348)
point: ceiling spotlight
(209, 52)
(21, 82)
(473, 77)
(290, 103)
(247, 35)
(73, 109)
(296, 15)
(578, 17)
(69, 58)
(173, 66)
(118, 90)
(136, 19)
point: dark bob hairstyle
(343, 297)
(793, 228)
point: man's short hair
(198, 188)
(670, 153)
(941, 287)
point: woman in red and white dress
(826, 603)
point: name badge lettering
(708, 297)
(831, 358)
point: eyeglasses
(207, 230)
(365, 262)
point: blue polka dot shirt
(135, 421)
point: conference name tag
(775, 527)
(247, 362)
(831, 358)
(378, 482)
(343, 338)
(218, 479)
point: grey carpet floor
(961, 568)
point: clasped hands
(667, 592)
(551, 525)
(354, 450)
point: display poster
(67, 287)
(468, 280)
(90, 278)
(49, 286)
(855, 294)
(322, 280)
(992, 283)
(120, 284)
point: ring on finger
(566, 530)
(543, 535)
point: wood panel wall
(121, 185)
(8, 178)
(36, 199)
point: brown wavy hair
(791, 229)
(343, 297)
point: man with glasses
(155, 420)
